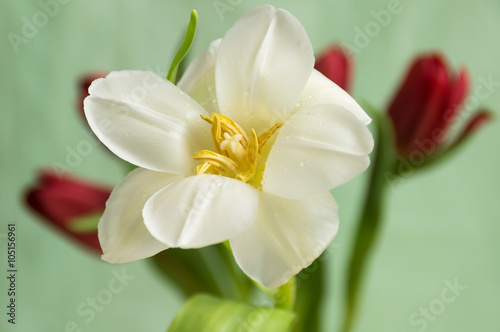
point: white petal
(201, 210)
(122, 233)
(147, 121)
(264, 62)
(287, 236)
(316, 150)
(199, 79)
(200, 65)
(321, 90)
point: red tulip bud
(63, 201)
(426, 104)
(337, 65)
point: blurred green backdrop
(441, 224)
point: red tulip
(426, 104)
(61, 202)
(337, 65)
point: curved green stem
(371, 218)
(183, 48)
(309, 299)
(283, 296)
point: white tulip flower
(245, 148)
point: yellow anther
(237, 155)
(224, 163)
(222, 124)
(203, 168)
(263, 138)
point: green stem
(183, 48)
(241, 282)
(371, 218)
(283, 296)
(309, 297)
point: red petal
(418, 104)
(337, 65)
(456, 98)
(475, 123)
(84, 84)
(61, 200)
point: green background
(441, 224)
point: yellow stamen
(263, 138)
(237, 155)
(222, 162)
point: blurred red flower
(83, 87)
(337, 65)
(427, 103)
(63, 200)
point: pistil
(237, 154)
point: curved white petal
(287, 236)
(263, 63)
(146, 120)
(321, 90)
(122, 233)
(199, 79)
(197, 68)
(201, 210)
(316, 150)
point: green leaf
(188, 269)
(203, 313)
(86, 224)
(210, 270)
(184, 48)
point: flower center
(237, 155)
